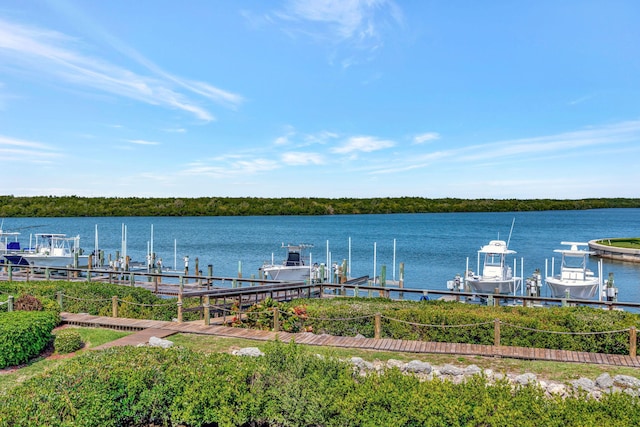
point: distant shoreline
(73, 206)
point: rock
(557, 389)
(472, 370)
(361, 364)
(451, 370)
(159, 342)
(584, 384)
(360, 336)
(525, 379)
(418, 367)
(249, 351)
(393, 363)
(604, 381)
(626, 381)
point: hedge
(402, 320)
(24, 335)
(289, 386)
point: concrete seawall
(613, 252)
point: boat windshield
(493, 259)
(574, 261)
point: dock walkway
(147, 328)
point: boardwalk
(147, 328)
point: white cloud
(26, 151)
(426, 137)
(566, 144)
(228, 166)
(355, 25)
(142, 142)
(364, 144)
(295, 158)
(54, 55)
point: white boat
(8, 244)
(496, 274)
(574, 278)
(51, 250)
(295, 268)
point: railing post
(276, 320)
(114, 306)
(10, 303)
(207, 312)
(377, 326)
(10, 272)
(59, 297)
(180, 303)
(496, 332)
(47, 273)
(632, 341)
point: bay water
(433, 247)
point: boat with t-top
(496, 273)
(9, 244)
(51, 250)
(575, 279)
(296, 267)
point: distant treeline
(72, 206)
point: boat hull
(50, 261)
(577, 290)
(287, 273)
(486, 286)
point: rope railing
(275, 312)
(84, 299)
(565, 332)
(145, 305)
(468, 325)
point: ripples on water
(433, 247)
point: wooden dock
(146, 328)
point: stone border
(595, 389)
(613, 252)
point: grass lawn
(629, 242)
(91, 337)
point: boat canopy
(496, 247)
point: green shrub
(442, 321)
(24, 335)
(67, 341)
(289, 386)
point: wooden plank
(350, 342)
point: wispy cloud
(26, 151)
(229, 166)
(581, 100)
(56, 56)
(298, 158)
(142, 142)
(426, 137)
(365, 144)
(564, 144)
(299, 139)
(358, 24)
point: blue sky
(311, 98)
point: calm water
(433, 247)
